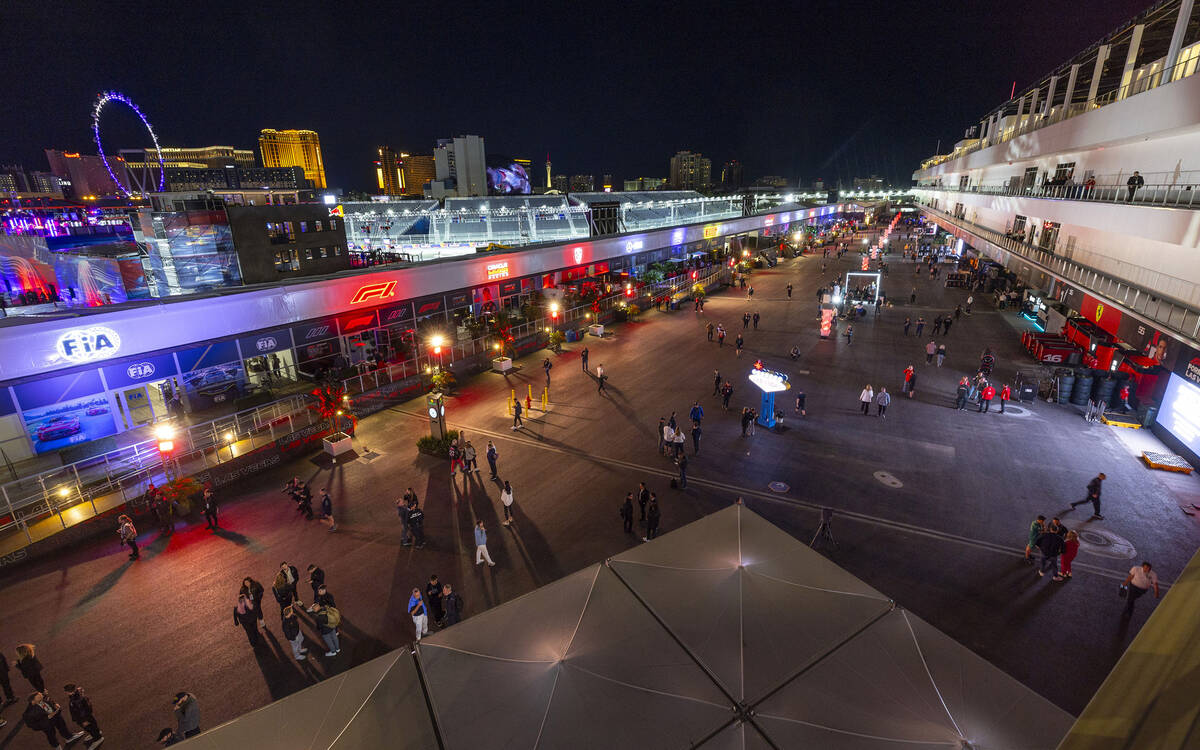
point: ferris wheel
(116, 97)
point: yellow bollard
(512, 400)
(530, 396)
(545, 398)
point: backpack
(332, 616)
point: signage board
(79, 345)
(497, 270)
(266, 342)
(142, 370)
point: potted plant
(330, 402)
(442, 380)
(179, 493)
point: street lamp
(436, 341)
(166, 444)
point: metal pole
(13, 514)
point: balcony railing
(1171, 194)
(1170, 313)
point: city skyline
(815, 108)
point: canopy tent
(727, 634)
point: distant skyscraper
(417, 170)
(294, 148)
(389, 172)
(582, 183)
(460, 165)
(549, 182)
(85, 175)
(644, 183)
(561, 183)
(196, 157)
(731, 175)
(690, 171)
(606, 183)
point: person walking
(290, 625)
(82, 713)
(1035, 530)
(1140, 580)
(481, 550)
(930, 350)
(865, 398)
(327, 509)
(746, 419)
(452, 603)
(716, 382)
(419, 613)
(653, 516)
(737, 343)
(697, 412)
(506, 501)
(708, 329)
(187, 714)
(985, 396)
(964, 388)
(907, 324)
(45, 716)
(30, 666)
(920, 326)
(128, 535)
(546, 366)
(455, 452)
(1134, 182)
(720, 335)
(601, 378)
(1093, 496)
(941, 354)
(756, 320)
(683, 462)
(695, 438)
(789, 291)
(726, 394)
(1070, 549)
(627, 513)
(492, 454)
(937, 325)
(849, 335)
(471, 459)
(9, 697)
(643, 498)
(433, 600)
(210, 509)
(912, 298)
(801, 400)
(583, 358)
(416, 521)
(245, 615)
(882, 401)
(1050, 545)
(327, 620)
(946, 326)
(970, 301)
(1005, 395)
(517, 423)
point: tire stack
(1066, 383)
(1104, 389)
(1082, 390)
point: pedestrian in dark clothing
(254, 590)
(652, 518)
(745, 321)
(1051, 545)
(82, 713)
(789, 291)
(907, 324)
(517, 422)
(726, 394)
(920, 326)
(492, 454)
(284, 585)
(9, 698)
(1093, 496)
(946, 326)
(327, 620)
(601, 378)
(546, 366)
(958, 312)
(627, 513)
(167, 737)
(643, 498)
(416, 521)
(316, 579)
(747, 418)
(1133, 183)
(30, 667)
(756, 320)
(708, 329)
(187, 715)
(452, 603)
(44, 715)
(964, 388)
(128, 535)
(583, 358)
(433, 597)
(696, 438)
(322, 598)
(912, 299)
(244, 615)
(327, 508)
(210, 509)
(801, 403)
(683, 462)
(716, 382)
(291, 631)
(937, 325)
(738, 342)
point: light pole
(166, 444)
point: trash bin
(1151, 415)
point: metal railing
(127, 471)
(1039, 120)
(1172, 194)
(1171, 313)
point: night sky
(804, 90)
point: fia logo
(266, 344)
(579, 255)
(140, 370)
(87, 344)
(317, 332)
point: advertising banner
(266, 342)
(143, 370)
(1104, 315)
(71, 422)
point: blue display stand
(766, 412)
(770, 383)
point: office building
(582, 183)
(389, 172)
(690, 171)
(416, 171)
(731, 175)
(644, 183)
(191, 157)
(868, 183)
(13, 179)
(85, 176)
(607, 184)
(561, 183)
(280, 242)
(460, 168)
(294, 148)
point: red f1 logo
(382, 290)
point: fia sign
(88, 344)
(140, 370)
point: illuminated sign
(865, 262)
(826, 321)
(266, 344)
(578, 254)
(140, 370)
(317, 332)
(710, 231)
(633, 245)
(381, 290)
(498, 270)
(768, 221)
(337, 211)
(768, 381)
(88, 344)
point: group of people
(42, 713)
(649, 513)
(326, 617)
(301, 495)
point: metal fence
(75, 488)
(1157, 191)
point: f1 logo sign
(382, 290)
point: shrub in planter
(633, 311)
(181, 493)
(439, 447)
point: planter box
(596, 330)
(502, 364)
(337, 444)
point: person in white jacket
(506, 500)
(866, 397)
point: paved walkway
(945, 543)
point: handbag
(1123, 591)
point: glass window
(320, 226)
(290, 230)
(303, 226)
(337, 249)
(333, 223)
(308, 253)
(324, 252)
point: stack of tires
(1104, 389)
(1082, 390)
(1066, 383)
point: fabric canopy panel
(377, 704)
(577, 661)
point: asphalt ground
(932, 507)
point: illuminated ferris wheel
(116, 97)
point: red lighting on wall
(381, 290)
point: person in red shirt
(1064, 561)
(1124, 396)
(910, 377)
(1005, 395)
(986, 396)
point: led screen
(1180, 412)
(510, 180)
(69, 423)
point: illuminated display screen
(769, 381)
(1180, 412)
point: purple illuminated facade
(116, 96)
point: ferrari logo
(1099, 311)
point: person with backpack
(456, 455)
(128, 535)
(80, 707)
(452, 604)
(419, 613)
(291, 631)
(327, 620)
(244, 615)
